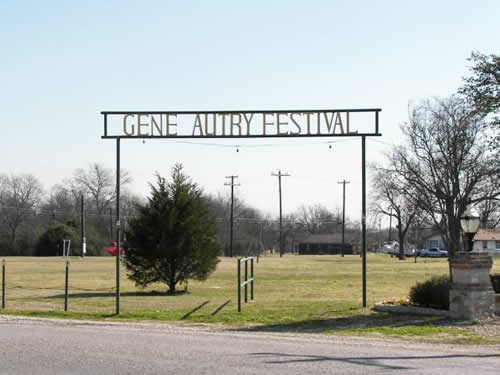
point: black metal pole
(343, 217)
(118, 226)
(66, 286)
(470, 241)
(246, 280)
(281, 218)
(231, 226)
(363, 213)
(82, 226)
(251, 277)
(3, 284)
(239, 285)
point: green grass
(423, 333)
(321, 294)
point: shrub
(172, 238)
(495, 282)
(50, 241)
(434, 293)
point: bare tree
(19, 196)
(250, 225)
(489, 209)
(445, 163)
(318, 219)
(61, 205)
(98, 183)
(390, 199)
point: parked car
(433, 252)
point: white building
(434, 240)
(487, 240)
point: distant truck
(392, 248)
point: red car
(112, 249)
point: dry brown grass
(288, 289)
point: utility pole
(279, 175)
(82, 227)
(343, 182)
(232, 184)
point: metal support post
(66, 286)
(3, 284)
(363, 213)
(239, 285)
(246, 280)
(251, 276)
(118, 226)
(281, 220)
(343, 217)
(82, 227)
(232, 213)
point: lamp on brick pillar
(469, 222)
(471, 295)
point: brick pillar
(471, 294)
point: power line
(271, 145)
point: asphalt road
(66, 347)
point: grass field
(301, 293)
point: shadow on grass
(194, 310)
(216, 311)
(152, 293)
(352, 322)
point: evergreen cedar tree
(172, 238)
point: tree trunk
(401, 238)
(171, 286)
(12, 239)
(171, 280)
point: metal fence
(247, 281)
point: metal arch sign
(242, 124)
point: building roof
(487, 235)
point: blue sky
(64, 62)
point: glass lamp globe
(470, 220)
